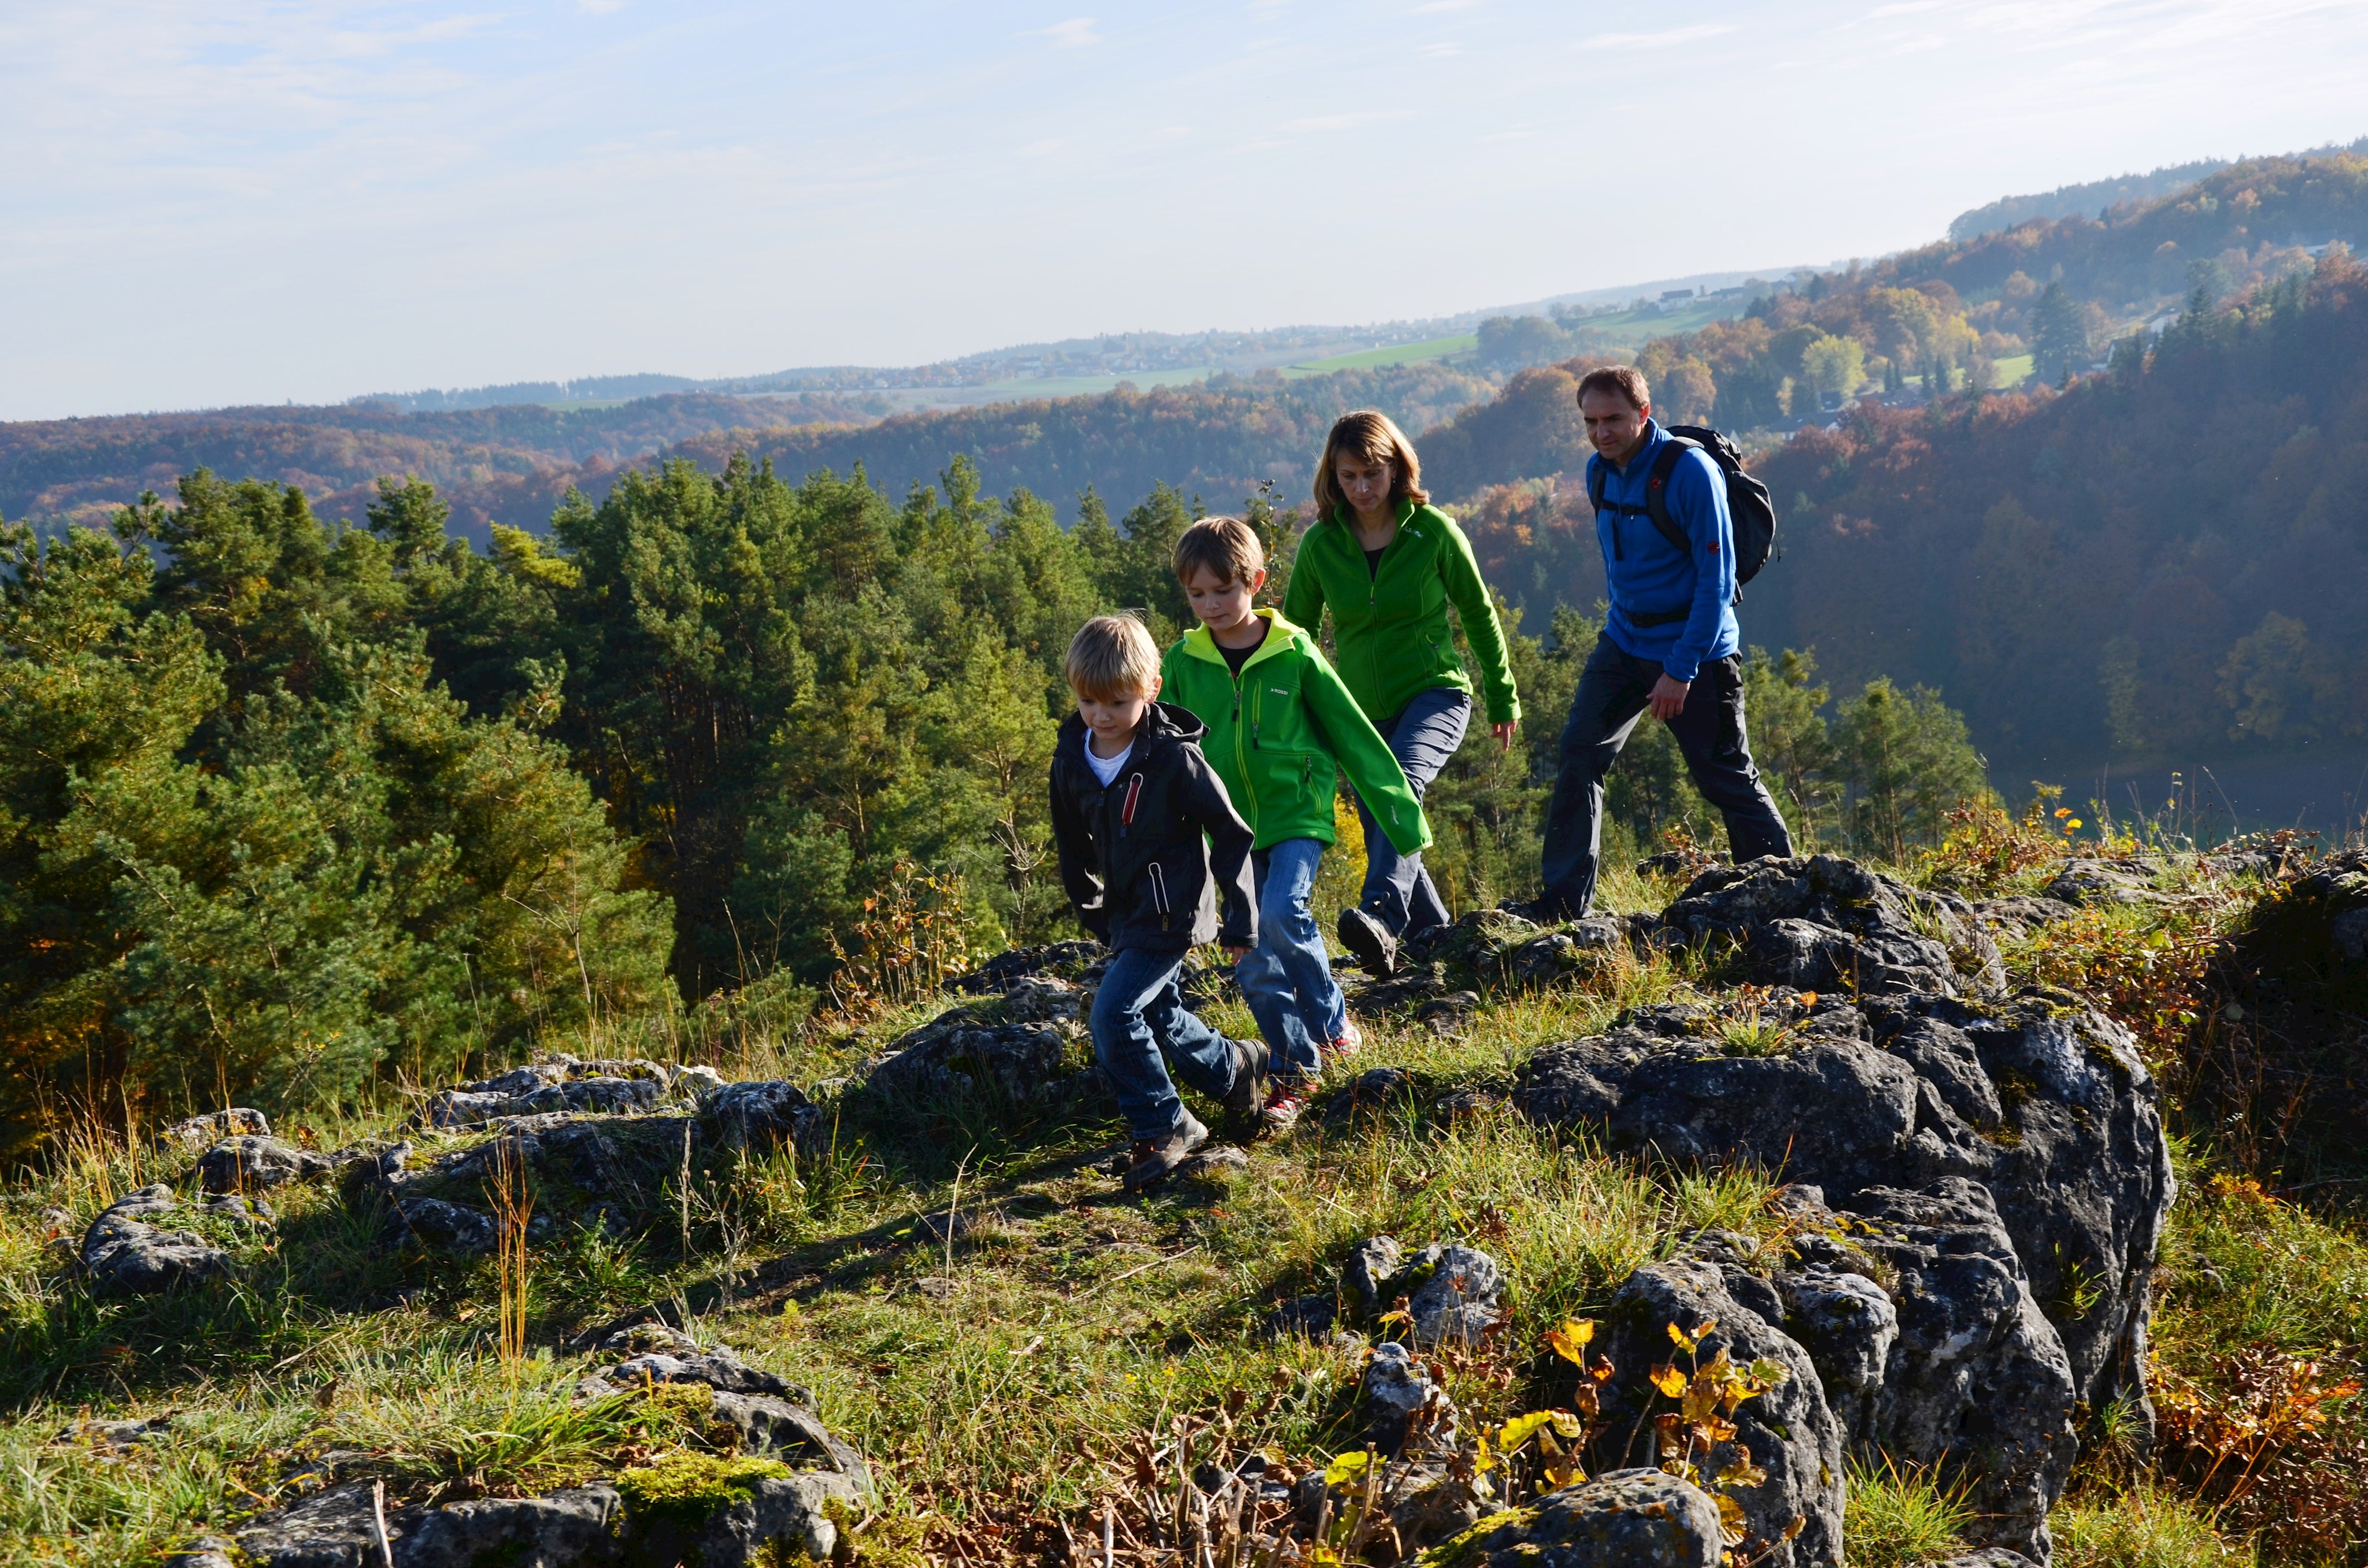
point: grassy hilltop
(1018, 1348)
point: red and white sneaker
(1350, 1041)
(1284, 1102)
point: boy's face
(1222, 605)
(1110, 722)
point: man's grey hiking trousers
(1612, 693)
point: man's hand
(1503, 734)
(1669, 698)
(1237, 954)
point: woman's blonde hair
(1111, 659)
(1375, 437)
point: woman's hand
(1503, 734)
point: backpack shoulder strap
(1657, 490)
(1595, 482)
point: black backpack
(1748, 505)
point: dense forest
(2164, 556)
(287, 804)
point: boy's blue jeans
(1139, 1018)
(1287, 979)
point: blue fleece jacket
(1647, 575)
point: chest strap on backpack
(1655, 509)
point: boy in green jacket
(1281, 727)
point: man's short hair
(1375, 437)
(1111, 659)
(1225, 548)
(1625, 380)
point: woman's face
(1363, 481)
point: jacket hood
(1165, 722)
(1279, 633)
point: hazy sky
(253, 200)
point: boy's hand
(1237, 954)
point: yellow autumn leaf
(1520, 1429)
(1743, 1472)
(1678, 1336)
(1345, 1468)
(1730, 1520)
(1571, 1338)
(1670, 1381)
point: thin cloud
(1669, 39)
(600, 7)
(1077, 32)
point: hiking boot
(1350, 1040)
(1249, 1092)
(1283, 1104)
(1370, 941)
(1149, 1159)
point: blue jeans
(1424, 733)
(1140, 1016)
(1287, 978)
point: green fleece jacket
(1390, 628)
(1277, 735)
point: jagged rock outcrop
(782, 1506)
(2000, 1161)
(978, 1050)
(1821, 923)
(1790, 1431)
(606, 1086)
(252, 1163)
(211, 1127)
(1628, 1518)
(2127, 879)
(445, 1227)
(1401, 1398)
(760, 1114)
(2045, 1105)
(125, 1255)
(337, 1529)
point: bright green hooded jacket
(1390, 629)
(1277, 735)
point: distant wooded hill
(510, 464)
(2099, 197)
(2170, 554)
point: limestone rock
(1977, 1377)
(1821, 923)
(124, 1254)
(211, 1127)
(446, 1227)
(1372, 1265)
(337, 1529)
(1985, 1557)
(961, 1054)
(2124, 880)
(1453, 1294)
(1065, 961)
(1628, 1518)
(1790, 1431)
(113, 1436)
(1371, 1094)
(250, 1162)
(1402, 1401)
(2048, 1106)
(783, 1512)
(762, 1114)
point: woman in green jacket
(1387, 564)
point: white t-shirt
(1106, 768)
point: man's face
(1222, 605)
(1113, 721)
(1364, 483)
(1615, 427)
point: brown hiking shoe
(1370, 941)
(1248, 1093)
(1149, 1159)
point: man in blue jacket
(1669, 644)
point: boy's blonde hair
(1111, 658)
(1375, 437)
(1225, 548)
